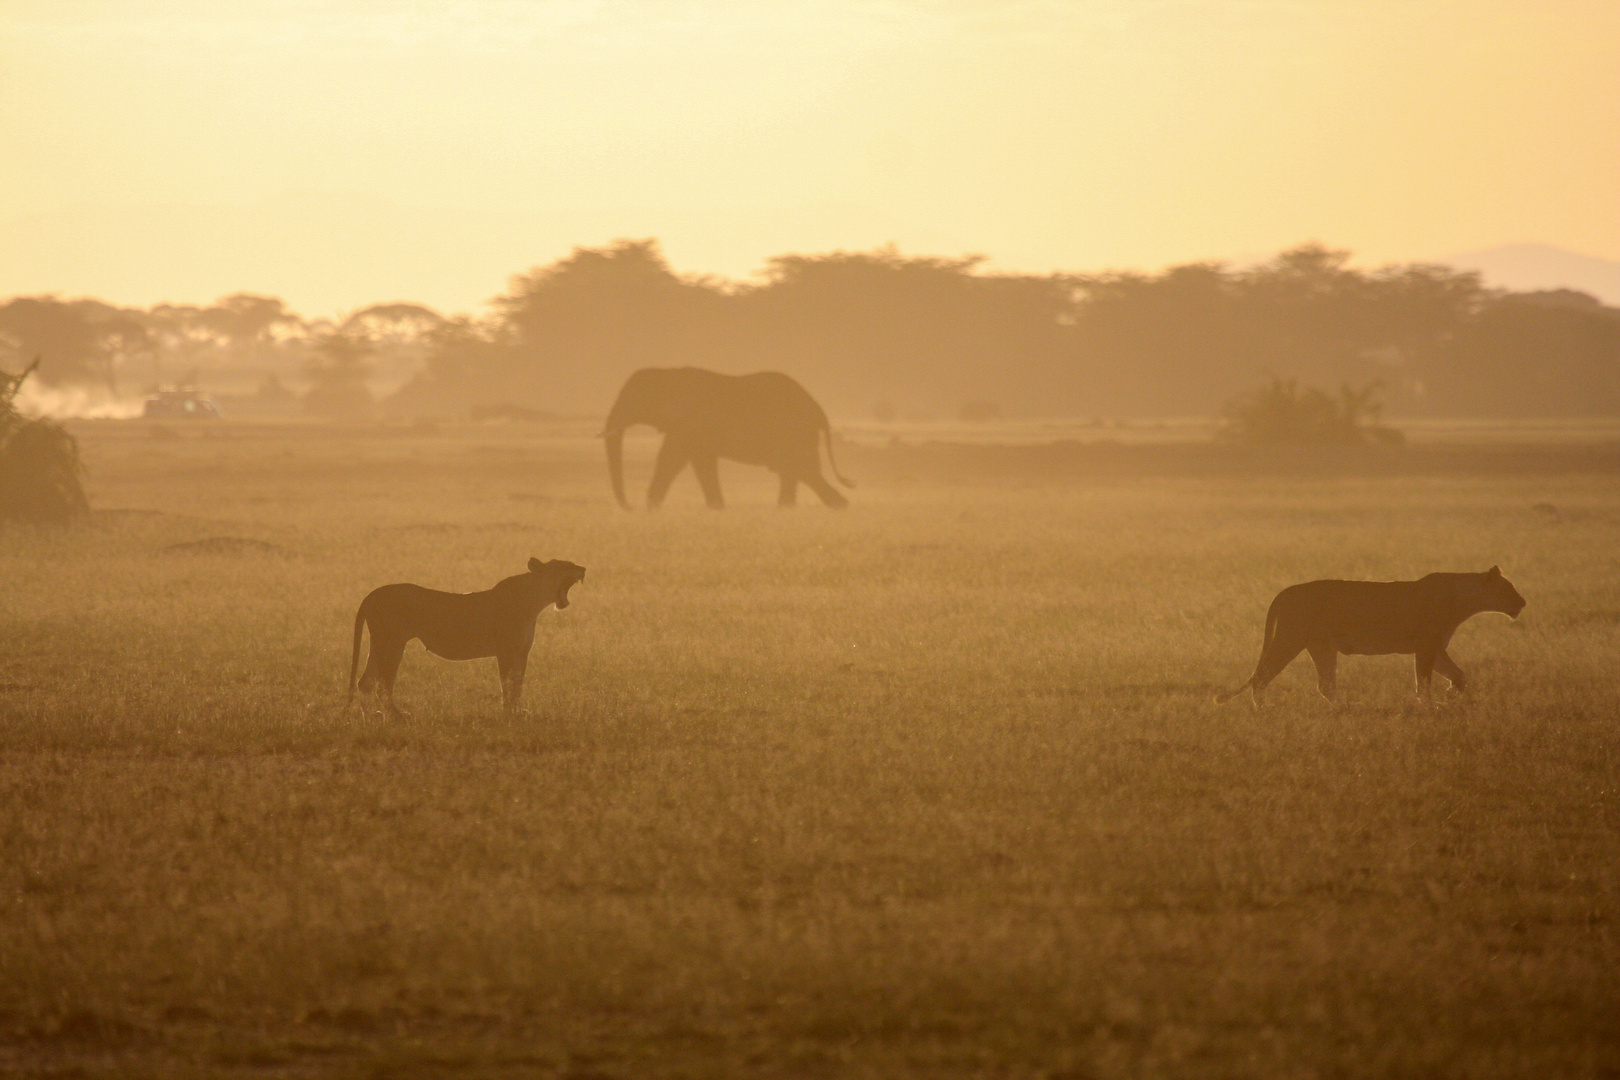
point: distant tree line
(241, 344)
(879, 332)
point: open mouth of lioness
(562, 596)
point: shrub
(39, 463)
(1282, 413)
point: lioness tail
(1265, 647)
(354, 660)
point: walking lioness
(498, 622)
(1364, 618)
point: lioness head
(1496, 593)
(559, 575)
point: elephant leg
(829, 494)
(671, 461)
(789, 495)
(707, 467)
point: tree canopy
(879, 330)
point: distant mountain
(1527, 267)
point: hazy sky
(343, 153)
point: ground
(930, 787)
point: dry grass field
(930, 787)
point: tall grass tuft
(39, 463)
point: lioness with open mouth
(497, 622)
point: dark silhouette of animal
(1364, 618)
(761, 419)
(497, 622)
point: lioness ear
(1495, 571)
(535, 566)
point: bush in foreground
(39, 463)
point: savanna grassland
(930, 787)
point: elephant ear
(535, 566)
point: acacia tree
(466, 363)
(82, 341)
(338, 377)
(400, 336)
(584, 323)
(936, 332)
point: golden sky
(344, 153)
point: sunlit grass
(932, 786)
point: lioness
(498, 622)
(1364, 618)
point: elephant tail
(826, 429)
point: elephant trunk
(615, 457)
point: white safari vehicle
(180, 405)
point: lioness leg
(1326, 658)
(382, 666)
(1446, 666)
(512, 666)
(707, 467)
(1423, 668)
(789, 495)
(671, 461)
(1272, 662)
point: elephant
(762, 419)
